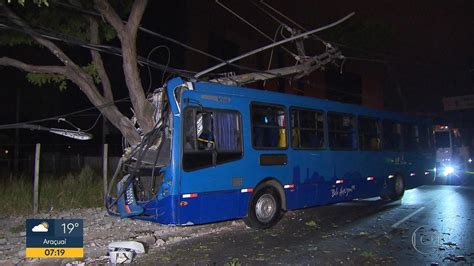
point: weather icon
(40, 228)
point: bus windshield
(442, 139)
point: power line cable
(376, 60)
(111, 49)
(93, 125)
(161, 36)
(101, 48)
(115, 49)
(288, 19)
(254, 27)
(164, 71)
(258, 50)
(56, 117)
(169, 39)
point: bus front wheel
(264, 209)
(398, 189)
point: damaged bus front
(146, 178)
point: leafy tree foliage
(34, 22)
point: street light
(79, 135)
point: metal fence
(57, 160)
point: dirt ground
(100, 229)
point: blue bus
(224, 152)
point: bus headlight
(470, 160)
(448, 170)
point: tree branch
(128, 34)
(74, 73)
(97, 60)
(109, 109)
(136, 15)
(55, 50)
(110, 15)
(7, 61)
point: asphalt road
(431, 224)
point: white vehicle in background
(452, 155)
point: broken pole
(266, 47)
(36, 178)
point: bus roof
(290, 100)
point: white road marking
(395, 225)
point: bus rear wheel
(264, 208)
(398, 189)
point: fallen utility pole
(299, 36)
(306, 67)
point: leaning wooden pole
(36, 178)
(105, 167)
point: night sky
(429, 47)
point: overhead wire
(253, 27)
(271, 52)
(93, 125)
(285, 17)
(117, 51)
(266, 47)
(56, 117)
(111, 50)
(375, 60)
(52, 35)
(164, 71)
(166, 38)
(163, 37)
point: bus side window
(268, 126)
(307, 130)
(210, 137)
(425, 133)
(369, 133)
(341, 131)
(410, 137)
(205, 131)
(392, 135)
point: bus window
(341, 131)
(268, 127)
(410, 137)
(392, 135)
(369, 133)
(307, 129)
(425, 133)
(210, 137)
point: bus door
(211, 165)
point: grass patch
(75, 190)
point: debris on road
(312, 224)
(100, 229)
(124, 251)
(454, 258)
